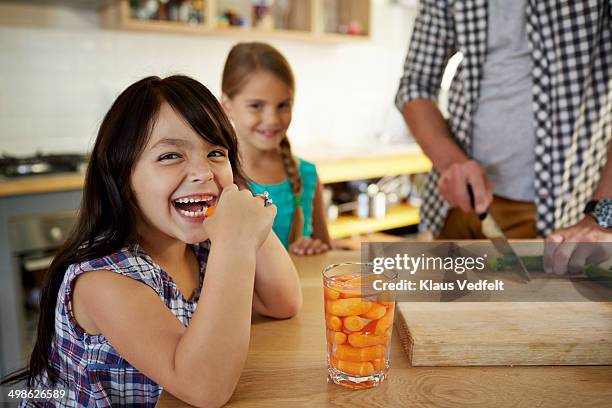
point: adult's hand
(567, 250)
(454, 181)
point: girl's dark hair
(244, 60)
(105, 221)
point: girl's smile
(194, 206)
(270, 134)
(178, 176)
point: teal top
(282, 197)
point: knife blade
(494, 233)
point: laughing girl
(118, 319)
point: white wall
(57, 81)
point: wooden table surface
(286, 368)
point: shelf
(356, 168)
(164, 26)
(81, 4)
(117, 15)
(348, 225)
(261, 34)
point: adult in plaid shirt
(566, 50)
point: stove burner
(40, 164)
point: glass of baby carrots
(359, 323)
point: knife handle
(471, 193)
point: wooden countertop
(41, 184)
(352, 165)
(286, 367)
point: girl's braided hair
(244, 60)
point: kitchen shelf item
(377, 202)
(41, 164)
(350, 17)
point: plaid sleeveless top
(89, 368)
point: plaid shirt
(88, 366)
(571, 47)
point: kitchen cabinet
(313, 20)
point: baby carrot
(376, 312)
(330, 293)
(353, 323)
(334, 323)
(336, 337)
(379, 364)
(362, 369)
(210, 210)
(364, 340)
(348, 353)
(385, 322)
(349, 307)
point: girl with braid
(258, 90)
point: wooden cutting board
(504, 333)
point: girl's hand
(308, 246)
(240, 218)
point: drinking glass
(359, 322)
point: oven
(34, 241)
(32, 227)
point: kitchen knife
(491, 230)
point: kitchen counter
(286, 367)
(41, 184)
(345, 164)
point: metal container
(377, 202)
(332, 213)
(363, 205)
